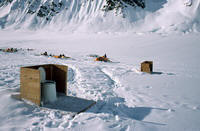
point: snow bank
(180, 15)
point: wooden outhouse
(30, 86)
(147, 66)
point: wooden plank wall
(30, 85)
(147, 66)
(60, 76)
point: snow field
(127, 99)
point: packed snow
(127, 99)
(165, 32)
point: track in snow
(94, 80)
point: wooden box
(147, 66)
(30, 86)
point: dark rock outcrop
(5, 2)
(116, 4)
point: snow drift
(91, 15)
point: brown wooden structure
(147, 66)
(30, 86)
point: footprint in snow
(36, 129)
(171, 110)
(196, 108)
(35, 123)
(52, 124)
(2, 77)
(64, 125)
(3, 68)
(90, 118)
(148, 87)
(113, 126)
(2, 83)
(165, 95)
(72, 124)
(125, 128)
(10, 79)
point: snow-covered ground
(127, 99)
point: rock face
(51, 8)
(116, 4)
(38, 13)
(5, 2)
(46, 10)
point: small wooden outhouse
(147, 66)
(30, 86)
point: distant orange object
(102, 58)
(55, 56)
(60, 56)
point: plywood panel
(147, 66)
(60, 76)
(48, 70)
(30, 85)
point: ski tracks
(98, 81)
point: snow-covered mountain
(36, 14)
(101, 15)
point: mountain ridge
(101, 15)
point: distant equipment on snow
(103, 58)
(10, 50)
(55, 56)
